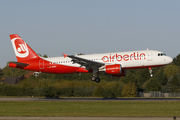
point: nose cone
(169, 60)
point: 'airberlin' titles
(125, 57)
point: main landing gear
(150, 71)
(96, 79)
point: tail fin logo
(20, 47)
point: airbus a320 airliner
(114, 64)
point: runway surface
(86, 118)
(89, 99)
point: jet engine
(115, 70)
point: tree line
(165, 79)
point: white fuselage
(130, 59)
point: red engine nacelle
(115, 70)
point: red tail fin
(22, 50)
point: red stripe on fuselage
(48, 67)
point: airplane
(114, 64)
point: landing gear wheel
(151, 75)
(93, 78)
(97, 80)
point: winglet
(65, 55)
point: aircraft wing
(89, 64)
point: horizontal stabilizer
(17, 64)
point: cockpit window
(161, 54)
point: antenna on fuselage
(147, 48)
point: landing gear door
(41, 64)
(149, 56)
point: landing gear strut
(150, 71)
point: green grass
(90, 109)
